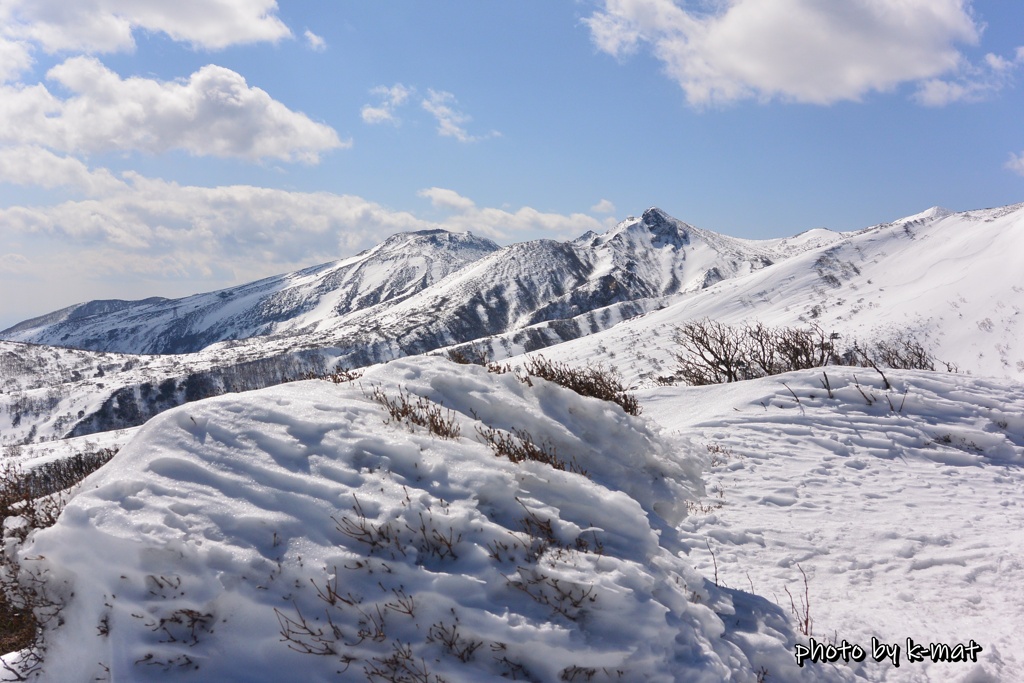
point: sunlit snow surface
(907, 517)
(220, 527)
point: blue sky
(151, 148)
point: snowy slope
(907, 522)
(951, 279)
(306, 300)
(44, 390)
(233, 534)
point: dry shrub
(420, 411)
(593, 381)
(714, 353)
(518, 446)
(35, 499)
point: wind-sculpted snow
(302, 529)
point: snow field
(301, 528)
(907, 521)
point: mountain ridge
(511, 287)
(284, 304)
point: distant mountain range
(451, 287)
(951, 278)
(315, 298)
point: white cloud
(450, 121)
(971, 83)
(603, 206)
(503, 224)
(153, 227)
(315, 42)
(215, 112)
(796, 50)
(137, 229)
(108, 25)
(34, 166)
(15, 58)
(442, 198)
(390, 100)
(1016, 163)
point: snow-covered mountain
(632, 268)
(951, 280)
(285, 305)
(400, 290)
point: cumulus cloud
(108, 25)
(502, 224)
(142, 229)
(215, 112)
(390, 99)
(315, 42)
(450, 121)
(193, 231)
(15, 58)
(442, 198)
(29, 165)
(971, 83)
(1016, 163)
(794, 50)
(603, 206)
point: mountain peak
(436, 237)
(927, 214)
(664, 227)
(655, 219)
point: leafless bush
(378, 538)
(455, 644)
(714, 353)
(518, 445)
(429, 537)
(900, 351)
(564, 598)
(805, 623)
(805, 348)
(467, 356)
(596, 382)
(419, 411)
(36, 498)
(341, 375)
(400, 667)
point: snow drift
(302, 527)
